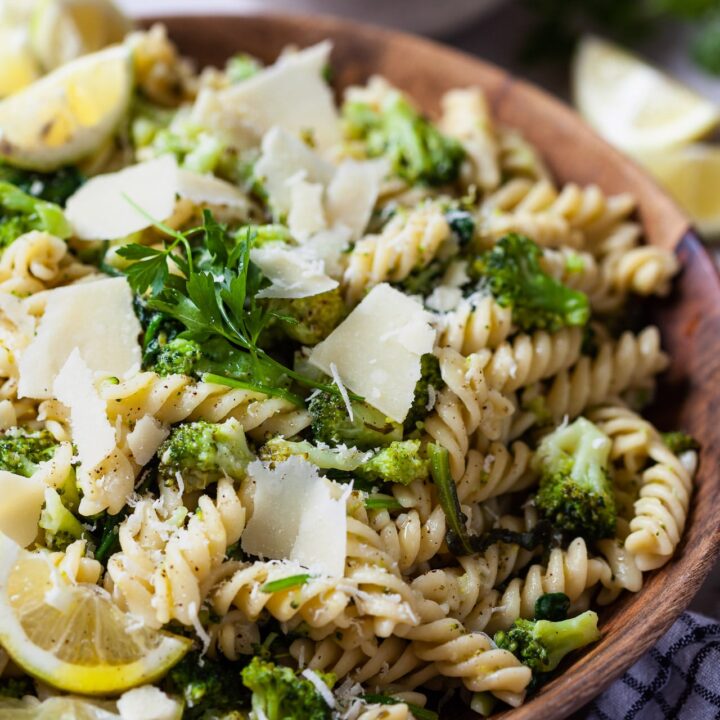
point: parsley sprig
(213, 294)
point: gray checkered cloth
(678, 678)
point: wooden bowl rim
(578, 684)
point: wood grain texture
(690, 319)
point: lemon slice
(691, 174)
(62, 30)
(18, 66)
(71, 635)
(632, 104)
(66, 115)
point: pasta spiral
(499, 470)
(164, 571)
(526, 359)
(408, 242)
(630, 362)
(466, 117)
(475, 326)
(470, 656)
(662, 507)
(571, 571)
(38, 261)
(177, 398)
(573, 217)
(464, 405)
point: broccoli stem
(459, 540)
(561, 638)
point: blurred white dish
(429, 17)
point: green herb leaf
(216, 296)
(382, 502)
(149, 269)
(285, 583)
(254, 387)
(215, 238)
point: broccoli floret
(21, 450)
(158, 330)
(539, 408)
(679, 442)
(462, 224)
(203, 453)
(241, 67)
(156, 131)
(512, 272)
(17, 687)
(55, 187)
(279, 693)
(575, 491)
(542, 644)
(20, 213)
(60, 525)
(423, 280)
(310, 319)
(179, 356)
(368, 428)
(417, 150)
(427, 387)
(341, 458)
(210, 688)
(400, 462)
(552, 606)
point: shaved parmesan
(92, 433)
(320, 686)
(291, 94)
(352, 194)
(207, 189)
(329, 246)
(96, 317)
(145, 438)
(22, 501)
(286, 159)
(448, 295)
(100, 209)
(444, 298)
(209, 112)
(298, 516)
(377, 349)
(147, 703)
(293, 274)
(307, 214)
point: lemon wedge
(18, 66)
(68, 114)
(633, 105)
(62, 30)
(71, 635)
(691, 174)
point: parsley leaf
(215, 298)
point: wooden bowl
(689, 320)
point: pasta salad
(310, 410)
